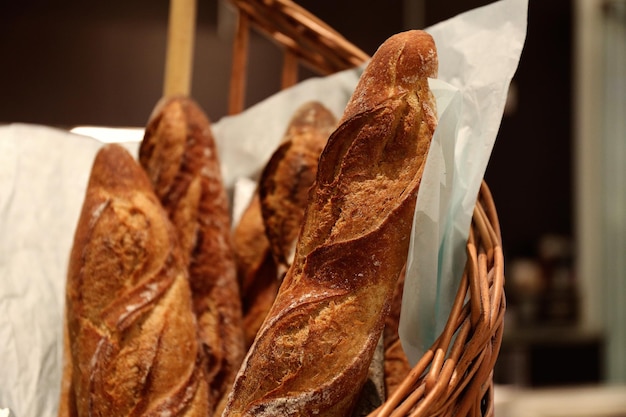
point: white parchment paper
(479, 52)
(44, 173)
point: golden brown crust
(399, 67)
(256, 269)
(179, 154)
(67, 400)
(313, 351)
(397, 365)
(392, 321)
(265, 236)
(260, 300)
(132, 332)
(250, 244)
(288, 175)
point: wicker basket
(455, 376)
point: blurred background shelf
(551, 356)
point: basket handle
(304, 39)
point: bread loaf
(67, 399)
(264, 238)
(257, 272)
(312, 354)
(286, 178)
(132, 332)
(397, 365)
(180, 156)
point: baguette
(396, 364)
(257, 271)
(179, 154)
(131, 329)
(286, 178)
(265, 237)
(67, 398)
(312, 354)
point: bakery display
(294, 308)
(335, 205)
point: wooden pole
(180, 47)
(290, 70)
(240, 64)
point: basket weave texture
(455, 376)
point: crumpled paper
(44, 172)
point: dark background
(68, 63)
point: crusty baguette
(286, 178)
(257, 272)
(312, 354)
(179, 154)
(251, 244)
(133, 335)
(265, 237)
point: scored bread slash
(179, 154)
(312, 353)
